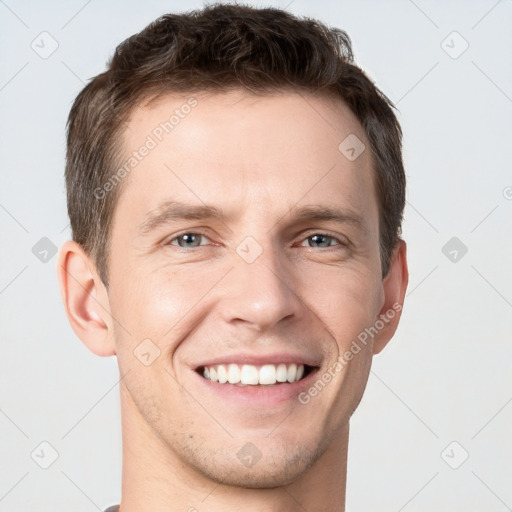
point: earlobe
(85, 299)
(394, 287)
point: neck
(154, 479)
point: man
(235, 189)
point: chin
(277, 467)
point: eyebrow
(172, 211)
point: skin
(258, 159)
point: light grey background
(446, 376)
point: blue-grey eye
(321, 240)
(188, 240)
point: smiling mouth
(252, 375)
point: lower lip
(260, 395)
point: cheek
(160, 305)
(346, 301)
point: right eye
(187, 240)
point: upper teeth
(253, 375)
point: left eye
(322, 240)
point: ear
(85, 299)
(394, 286)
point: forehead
(268, 152)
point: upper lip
(261, 359)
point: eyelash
(340, 243)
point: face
(244, 247)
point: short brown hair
(218, 48)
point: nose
(261, 294)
